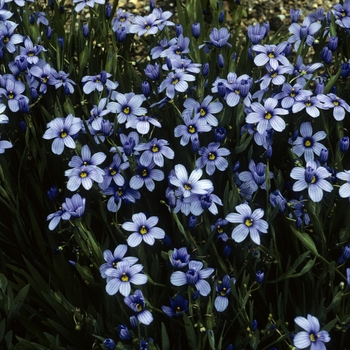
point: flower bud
(123, 332)
(108, 10)
(196, 30)
(220, 61)
(146, 88)
(109, 344)
(259, 277)
(333, 43)
(61, 41)
(178, 30)
(48, 32)
(326, 55)
(323, 156)
(221, 16)
(294, 15)
(52, 193)
(205, 69)
(220, 134)
(192, 220)
(221, 89)
(344, 144)
(85, 30)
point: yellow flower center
(83, 174)
(112, 171)
(313, 180)
(308, 104)
(211, 156)
(144, 173)
(191, 129)
(10, 95)
(312, 337)
(271, 54)
(219, 229)
(126, 110)
(223, 291)
(336, 103)
(63, 134)
(268, 115)
(143, 230)
(187, 186)
(307, 143)
(45, 79)
(202, 112)
(125, 278)
(175, 81)
(120, 192)
(249, 222)
(138, 307)
(273, 75)
(155, 149)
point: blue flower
(299, 209)
(290, 94)
(345, 255)
(212, 157)
(312, 334)
(62, 130)
(219, 37)
(120, 279)
(13, 92)
(344, 190)
(87, 159)
(187, 185)
(8, 39)
(86, 175)
(276, 198)
(223, 289)
(218, 227)
(97, 82)
(112, 172)
(190, 130)
(307, 143)
(154, 151)
(338, 104)
(123, 332)
(271, 54)
(249, 223)
(82, 3)
(175, 82)
(179, 257)
(45, 75)
(146, 175)
(109, 344)
(267, 115)
(142, 124)
(143, 229)
(311, 105)
(5, 145)
(348, 276)
(256, 33)
(201, 202)
(127, 107)
(142, 25)
(342, 14)
(178, 306)
(259, 276)
(194, 276)
(177, 49)
(112, 259)
(312, 178)
(137, 303)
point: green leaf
(306, 240)
(3, 283)
(2, 329)
(18, 301)
(191, 335)
(165, 338)
(328, 327)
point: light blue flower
(312, 334)
(143, 229)
(194, 276)
(249, 223)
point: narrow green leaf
(165, 338)
(191, 335)
(306, 240)
(18, 301)
(3, 283)
(2, 329)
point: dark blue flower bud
(196, 30)
(267, 27)
(152, 5)
(85, 30)
(220, 134)
(109, 344)
(48, 32)
(288, 49)
(195, 295)
(31, 19)
(108, 11)
(146, 88)
(269, 152)
(143, 345)
(167, 241)
(50, 4)
(250, 53)
(22, 125)
(259, 277)
(221, 89)
(227, 250)
(195, 144)
(326, 55)
(153, 71)
(52, 193)
(123, 332)
(23, 105)
(34, 93)
(120, 34)
(192, 221)
(345, 255)
(323, 156)
(205, 69)
(345, 70)
(344, 144)
(71, 262)
(128, 146)
(333, 43)
(234, 57)
(206, 201)
(333, 90)
(310, 174)
(236, 166)
(319, 89)
(61, 41)
(221, 16)
(134, 322)
(103, 77)
(294, 15)
(230, 347)
(295, 135)
(178, 30)
(254, 325)
(171, 199)
(221, 62)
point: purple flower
(256, 33)
(162, 17)
(142, 25)
(274, 76)
(86, 175)
(30, 51)
(5, 145)
(272, 54)
(154, 151)
(338, 104)
(112, 172)
(348, 276)
(256, 177)
(127, 107)
(82, 3)
(276, 198)
(194, 276)
(143, 124)
(146, 175)
(190, 130)
(120, 279)
(312, 178)
(311, 105)
(200, 202)
(97, 82)
(342, 14)
(291, 94)
(7, 38)
(219, 37)
(223, 289)
(178, 306)
(62, 130)
(312, 334)
(218, 227)
(179, 257)
(143, 230)
(178, 48)
(305, 32)
(307, 143)
(203, 111)
(45, 76)
(137, 303)
(87, 159)
(187, 185)
(249, 223)
(112, 259)
(267, 115)
(152, 71)
(13, 92)
(175, 82)
(344, 190)
(300, 210)
(212, 157)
